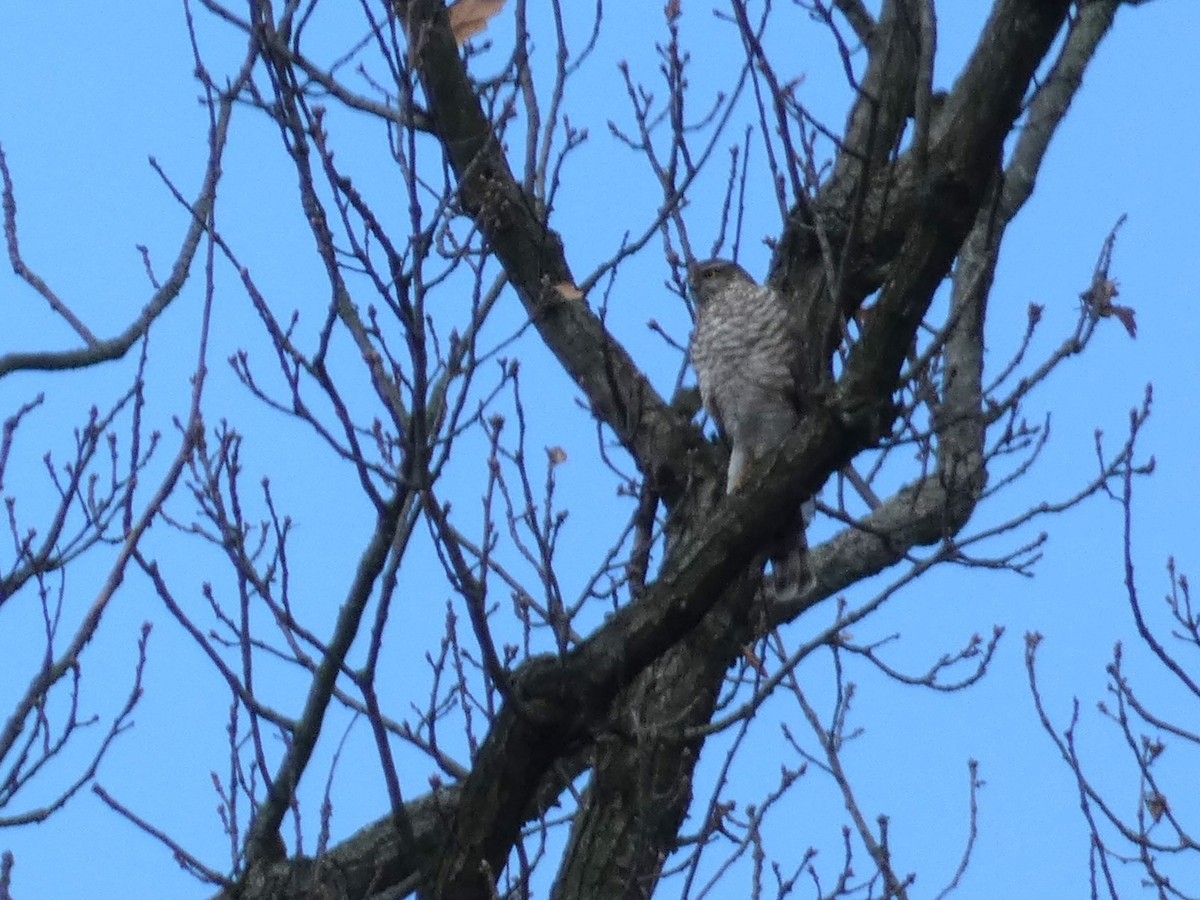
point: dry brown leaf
(1100, 297)
(1156, 805)
(470, 17)
(672, 10)
(1125, 315)
(752, 659)
(568, 291)
(557, 455)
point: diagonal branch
(940, 504)
(517, 229)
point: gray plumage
(746, 349)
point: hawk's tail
(791, 574)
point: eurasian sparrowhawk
(746, 349)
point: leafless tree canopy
(565, 707)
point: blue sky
(90, 92)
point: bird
(746, 348)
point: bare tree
(567, 709)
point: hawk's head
(710, 278)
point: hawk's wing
(795, 360)
(785, 376)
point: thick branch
(532, 254)
(939, 505)
(967, 142)
(560, 704)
